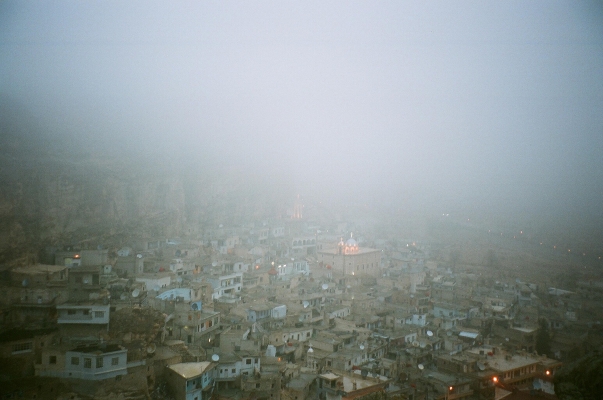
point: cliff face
(50, 195)
(56, 190)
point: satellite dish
(135, 293)
(179, 279)
(448, 333)
(151, 348)
(138, 255)
(422, 345)
(507, 339)
(429, 333)
(421, 367)
(24, 282)
(364, 373)
(122, 296)
(348, 286)
(156, 288)
(215, 358)
(306, 304)
(481, 366)
(325, 286)
(85, 280)
(415, 344)
(194, 306)
(361, 347)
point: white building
(90, 362)
(226, 285)
(90, 314)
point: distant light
(450, 388)
(548, 372)
(495, 379)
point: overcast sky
(495, 104)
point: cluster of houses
(284, 310)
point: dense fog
(484, 110)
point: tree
(581, 379)
(543, 337)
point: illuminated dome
(351, 246)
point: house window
(99, 314)
(248, 361)
(87, 363)
(75, 361)
(115, 361)
(86, 312)
(99, 362)
(70, 312)
(22, 347)
(52, 360)
(234, 370)
(257, 385)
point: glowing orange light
(450, 388)
(548, 372)
(495, 379)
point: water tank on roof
(270, 351)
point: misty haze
(301, 200)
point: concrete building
(192, 380)
(350, 259)
(89, 362)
